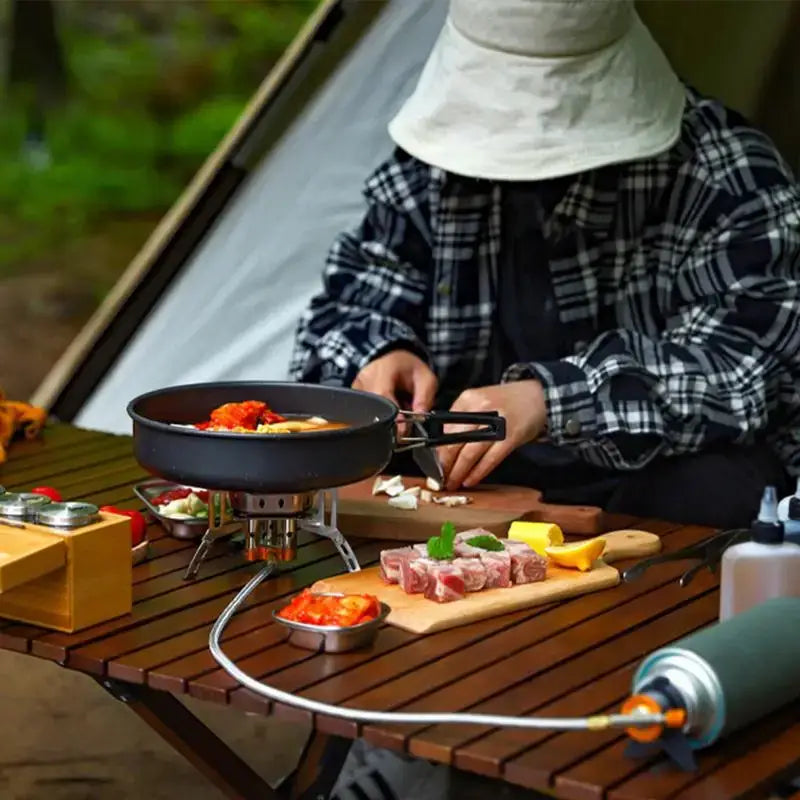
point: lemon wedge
(577, 555)
(537, 535)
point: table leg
(318, 768)
(169, 718)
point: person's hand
(521, 403)
(400, 373)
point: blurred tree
(36, 74)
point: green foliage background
(151, 89)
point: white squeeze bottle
(789, 515)
(765, 567)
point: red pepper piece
(138, 524)
(48, 491)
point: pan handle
(493, 428)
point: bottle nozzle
(769, 506)
(768, 529)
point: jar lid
(22, 505)
(71, 514)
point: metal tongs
(707, 553)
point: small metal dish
(22, 506)
(333, 638)
(179, 528)
(67, 516)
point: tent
(216, 291)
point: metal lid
(22, 505)
(67, 515)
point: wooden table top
(569, 658)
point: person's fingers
(424, 389)
(449, 452)
(468, 457)
(489, 461)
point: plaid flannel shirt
(677, 276)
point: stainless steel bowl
(179, 528)
(333, 638)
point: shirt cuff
(570, 407)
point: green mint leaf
(486, 543)
(448, 534)
(442, 547)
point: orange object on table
(18, 418)
(320, 609)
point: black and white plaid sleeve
(729, 354)
(376, 283)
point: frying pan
(284, 463)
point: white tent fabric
(232, 311)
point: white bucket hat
(536, 89)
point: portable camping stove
(271, 523)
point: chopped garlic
(413, 490)
(392, 486)
(407, 502)
(452, 500)
(318, 420)
(433, 485)
(425, 496)
(395, 486)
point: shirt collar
(588, 202)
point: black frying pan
(283, 463)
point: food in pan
(448, 566)
(254, 416)
(343, 611)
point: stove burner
(271, 539)
(247, 506)
(271, 524)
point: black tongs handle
(713, 559)
(708, 551)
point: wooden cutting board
(493, 507)
(412, 612)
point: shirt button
(443, 289)
(572, 427)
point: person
(569, 234)
(590, 247)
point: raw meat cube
(414, 574)
(421, 549)
(391, 560)
(527, 566)
(474, 573)
(445, 583)
(498, 569)
(464, 550)
(460, 537)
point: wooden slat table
(569, 658)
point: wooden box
(66, 580)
